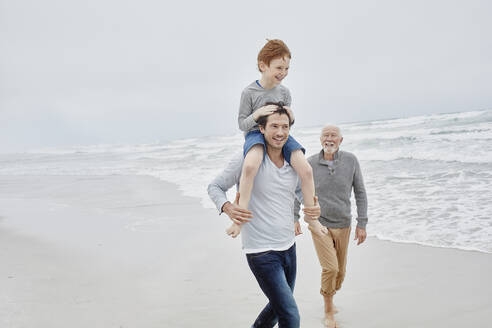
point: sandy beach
(131, 251)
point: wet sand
(131, 251)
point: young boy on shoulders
(262, 97)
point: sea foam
(428, 178)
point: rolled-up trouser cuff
(324, 293)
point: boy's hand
(313, 212)
(291, 114)
(237, 214)
(265, 110)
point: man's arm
(224, 181)
(360, 196)
(361, 202)
(298, 201)
(218, 187)
(297, 208)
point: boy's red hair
(271, 50)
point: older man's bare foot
(330, 321)
(234, 230)
(316, 227)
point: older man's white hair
(332, 126)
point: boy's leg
(305, 172)
(252, 162)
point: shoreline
(423, 244)
(131, 251)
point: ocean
(428, 178)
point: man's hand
(297, 228)
(313, 212)
(360, 235)
(291, 114)
(265, 110)
(236, 214)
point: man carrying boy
(268, 239)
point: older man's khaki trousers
(332, 255)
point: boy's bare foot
(234, 230)
(316, 227)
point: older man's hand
(360, 235)
(313, 212)
(236, 214)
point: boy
(260, 98)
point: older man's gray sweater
(334, 182)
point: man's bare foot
(234, 230)
(316, 227)
(330, 321)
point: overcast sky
(107, 71)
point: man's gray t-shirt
(254, 97)
(271, 203)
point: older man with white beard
(335, 173)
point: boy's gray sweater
(254, 97)
(334, 187)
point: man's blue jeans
(275, 272)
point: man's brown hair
(262, 120)
(271, 50)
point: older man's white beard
(328, 149)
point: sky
(131, 72)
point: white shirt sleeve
(224, 181)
